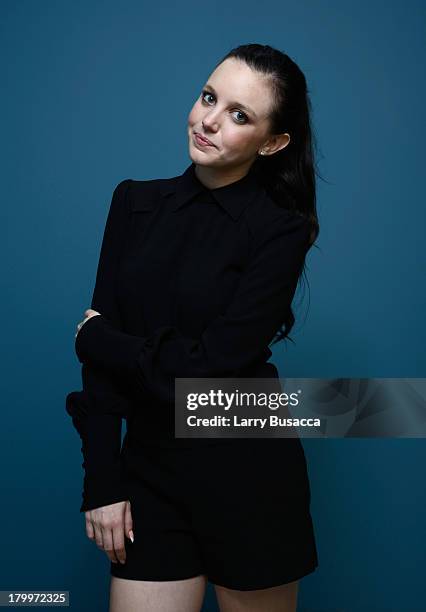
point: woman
(195, 279)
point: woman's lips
(202, 141)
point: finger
(98, 536)
(90, 532)
(109, 544)
(91, 313)
(128, 521)
(118, 540)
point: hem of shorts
(153, 577)
(228, 584)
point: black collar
(233, 198)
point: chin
(195, 154)
(197, 159)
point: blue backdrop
(95, 92)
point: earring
(261, 152)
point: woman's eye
(244, 116)
(206, 93)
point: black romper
(192, 282)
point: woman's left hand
(88, 314)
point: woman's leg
(282, 598)
(168, 596)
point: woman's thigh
(157, 596)
(282, 598)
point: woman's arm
(231, 342)
(98, 409)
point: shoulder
(143, 194)
(119, 195)
(121, 188)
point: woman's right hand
(108, 526)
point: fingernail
(131, 536)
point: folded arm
(233, 341)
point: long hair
(288, 176)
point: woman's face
(232, 112)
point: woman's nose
(210, 121)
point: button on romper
(192, 282)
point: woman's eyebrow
(247, 108)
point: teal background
(95, 92)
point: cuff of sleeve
(104, 479)
(100, 343)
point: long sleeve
(233, 341)
(98, 409)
